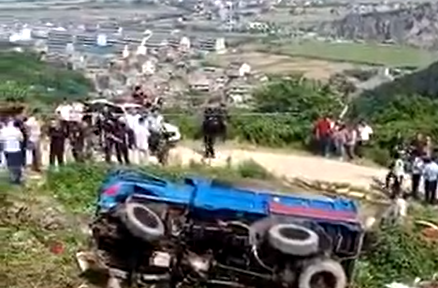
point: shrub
(252, 169)
(399, 254)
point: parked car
(203, 231)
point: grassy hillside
(24, 78)
(423, 82)
(407, 105)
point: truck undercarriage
(150, 242)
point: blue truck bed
(209, 195)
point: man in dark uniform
(57, 135)
(213, 126)
(77, 141)
(20, 122)
(118, 137)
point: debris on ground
(430, 230)
(417, 284)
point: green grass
(361, 53)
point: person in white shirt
(156, 121)
(364, 132)
(132, 120)
(396, 174)
(34, 148)
(430, 174)
(416, 171)
(11, 138)
(64, 112)
(76, 112)
(2, 154)
(397, 211)
(156, 127)
(142, 133)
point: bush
(399, 254)
(252, 169)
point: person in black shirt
(77, 141)
(213, 126)
(396, 144)
(118, 138)
(57, 136)
(21, 125)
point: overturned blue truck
(206, 232)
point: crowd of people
(138, 132)
(414, 160)
(343, 140)
(83, 133)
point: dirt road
(290, 165)
(282, 164)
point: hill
(423, 82)
(407, 105)
(420, 87)
(25, 78)
(417, 26)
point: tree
(305, 99)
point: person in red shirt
(323, 132)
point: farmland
(360, 53)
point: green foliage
(407, 105)
(25, 78)
(298, 102)
(399, 254)
(306, 99)
(252, 169)
(423, 82)
(289, 108)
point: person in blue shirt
(11, 138)
(430, 174)
(416, 171)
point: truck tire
(142, 222)
(323, 273)
(293, 239)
